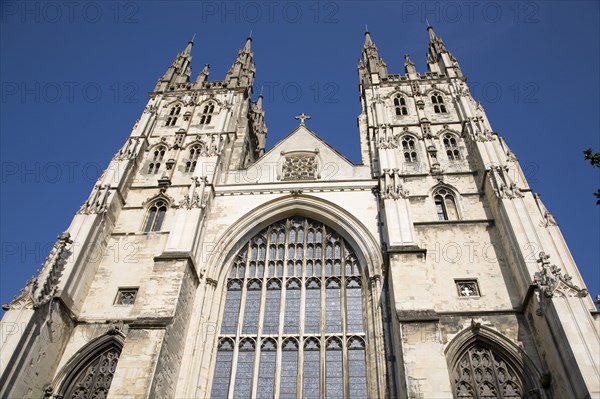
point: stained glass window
(292, 323)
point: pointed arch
(438, 100)
(437, 90)
(173, 112)
(400, 103)
(347, 278)
(156, 210)
(445, 198)
(345, 223)
(451, 144)
(90, 371)
(325, 324)
(208, 109)
(195, 149)
(409, 146)
(157, 157)
(486, 364)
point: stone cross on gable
(302, 117)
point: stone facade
(467, 288)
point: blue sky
(75, 77)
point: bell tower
(154, 195)
(455, 206)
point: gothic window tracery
(294, 304)
(451, 147)
(173, 113)
(207, 113)
(156, 216)
(438, 103)
(445, 204)
(409, 148)
(400, 105)
(190, 165)
(93, 379)
(157, 157)
(481, 373)
(299, 167)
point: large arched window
(483, 374)
(293, 318)
(91, 374)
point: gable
(303, 156)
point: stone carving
(98, 200)
(547, 218)
(385, 138)
(550, 280)
(23, 300)
(40, 290)
(391, 185)
(463, 89)
(95, 379)
(503, 186)
(477, 130)
(130, 150)
(300, 167)
(195, 194)
(481, 373)
(151, 109)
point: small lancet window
(409, 148)
(445, 205)
(190, 165)
(451, 146)
(159, 154)
(400, 105)
(438, 103)
(156, 215)
(207, 114)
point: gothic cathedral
(429, 270)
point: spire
(439, 59)
(435, 42)
(371, 63)
(258, 125)
(179, 72)
(203, 75)
(241, 73)
(188, 48)
(368, 41)
(259, 101)
(409, 66)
